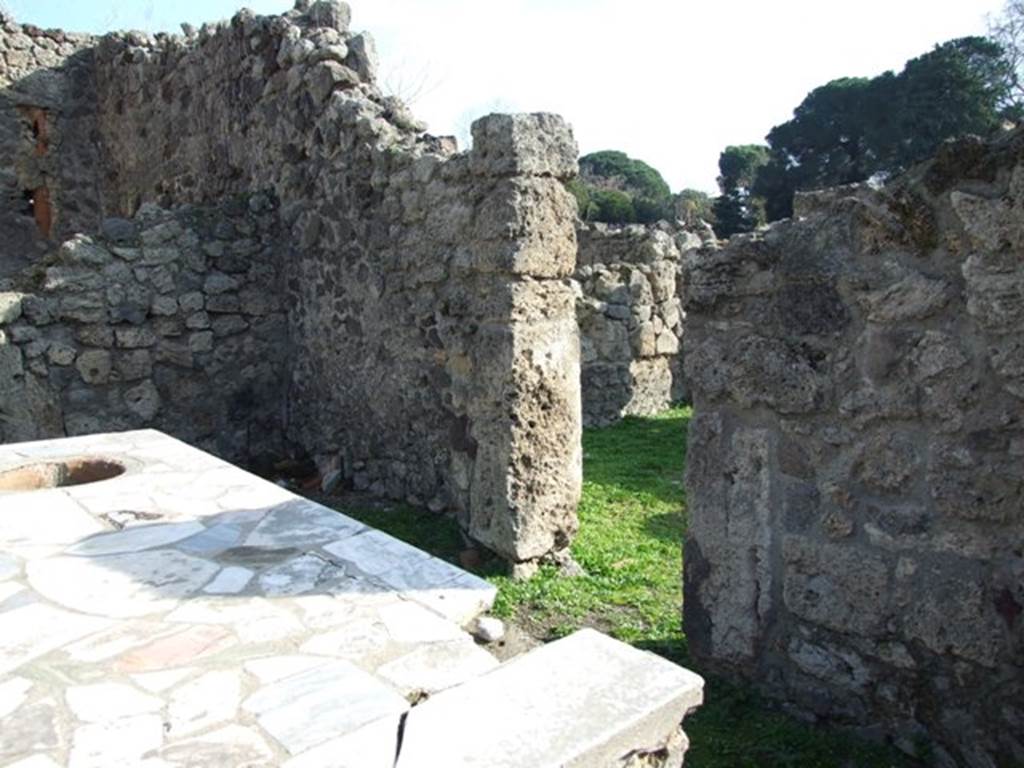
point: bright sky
(671, 82)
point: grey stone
(164, 305)
(363, 57)
(218, 282)
(201, 342)
(120, 230)
(913, 298)
(225, 303)
(191, 302)
(95, 366)
(61, 354)
(227, 325)
(489, 629)
(330, 13)
(328, 75)
(96, 335)
(10, 307)
(198, 321)
(134, 365)
(81, 250)
(143, 400)
(134, 338)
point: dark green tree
(621, 190)
(633, 176)
(612, 206)
(853, 128)
(737, 209)
(581, 192)
(963, 86)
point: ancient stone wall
(856, 461)
(630, 318)
(431, 351)
(46, 112)
(173, 320)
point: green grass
(632, 524)
(629, 544)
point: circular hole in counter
(59, 474)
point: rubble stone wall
(174, 320)
(431, 349)
(856, 462)
(630, 317)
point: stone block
(843, 588)
(537, 144)
(333, 14)
(218, 282)
(729, 547)
(950, 610)
(914, 297)
(143, 401)
(10, 307)
(134, 365)
(888, 461)
(525, 227)
(995, 296)
(327, 76)
(537, 356)
(635, 705)
(362, 56)
(134, 337)
(95, 366)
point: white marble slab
(187, 613)
(311, 707)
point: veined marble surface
(188, 613)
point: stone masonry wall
(630, 317)
(431, 351)
(46, 101)
(457, 340)
(173, 321)
(856, 471)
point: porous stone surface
(855, 484)
(630, 315)
(276, 255)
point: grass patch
(632, 523)
(629, 544)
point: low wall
(430, 351)
(855, 482)
(630, 317)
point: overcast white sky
(669, 82)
